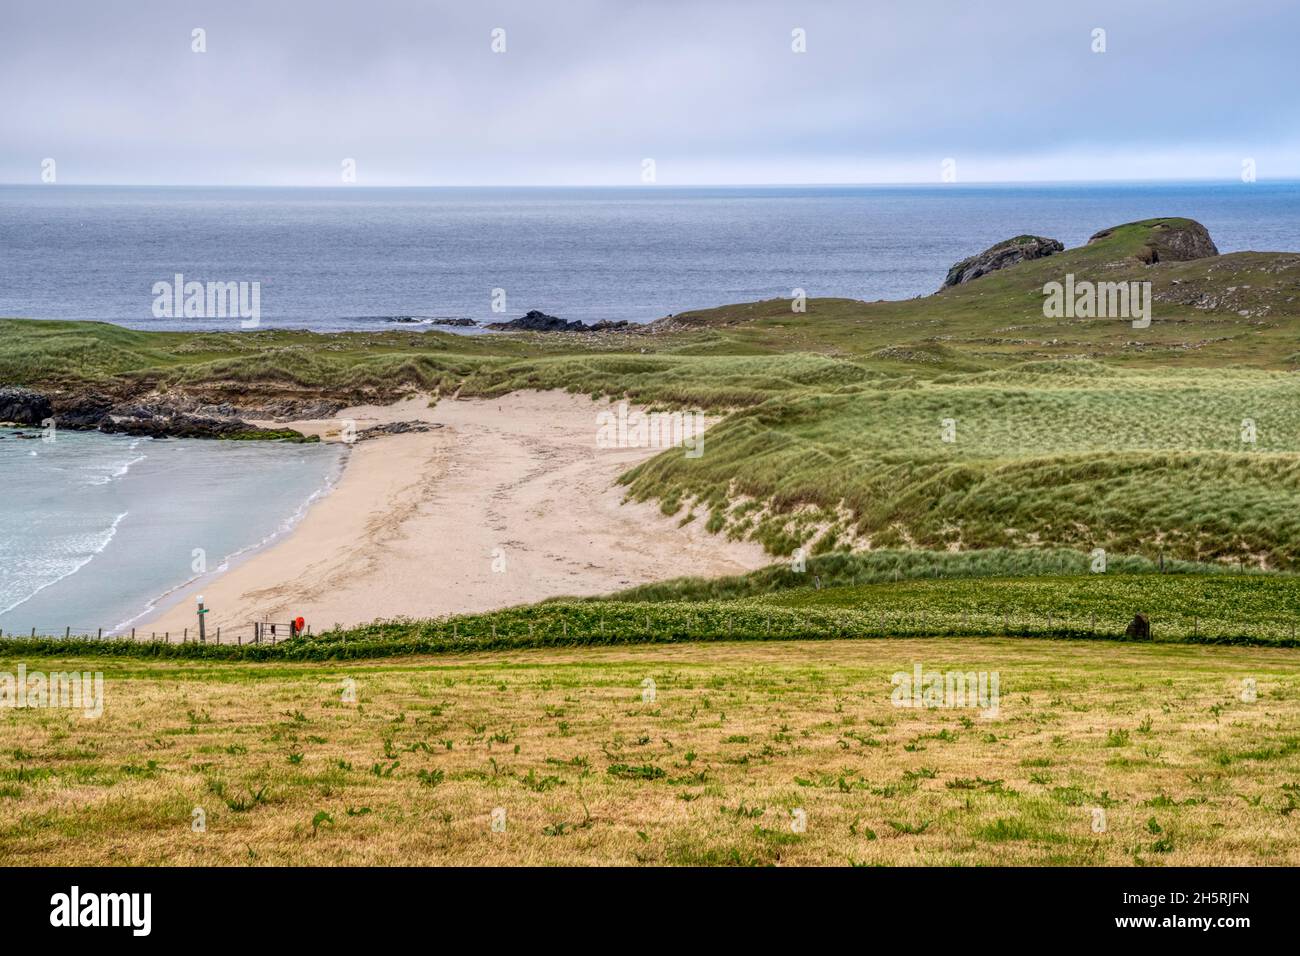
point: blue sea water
(95, 529)
(333, 259)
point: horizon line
(652, 186)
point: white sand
(415, 521)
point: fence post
(67, 632)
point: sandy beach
(509, 501)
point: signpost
(203, 638)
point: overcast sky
(586, 91)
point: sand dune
(509, 502)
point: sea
(334, 259)
(95, 530)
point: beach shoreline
(502, 502)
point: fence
(259, 632)
(627, 622)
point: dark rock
(396, 428)
(536, 321)
(1171, 240)
(22, 406)
(1139, 629)
(1008, 253)
(160, 421)
(84, 411)
(163, 422)
(418, 320)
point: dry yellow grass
(738, 738)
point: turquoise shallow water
(94, 529)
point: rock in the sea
(1008, 253)
(460, 323)
(1139, 629)
(22, 406)
(1171, 240)
(535, 321)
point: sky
(611, 92)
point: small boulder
(1007, 253)
(1139, 629)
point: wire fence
(260, 632)
(592, 623)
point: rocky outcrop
(1139, 629)
(1169, 240)
(1008, 253)
(160, 421)
(22, 406)
(535, 321)
(83, 411)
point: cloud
(586, 90)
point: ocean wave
(107, 537)
(120, 472)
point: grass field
(1186, 765)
